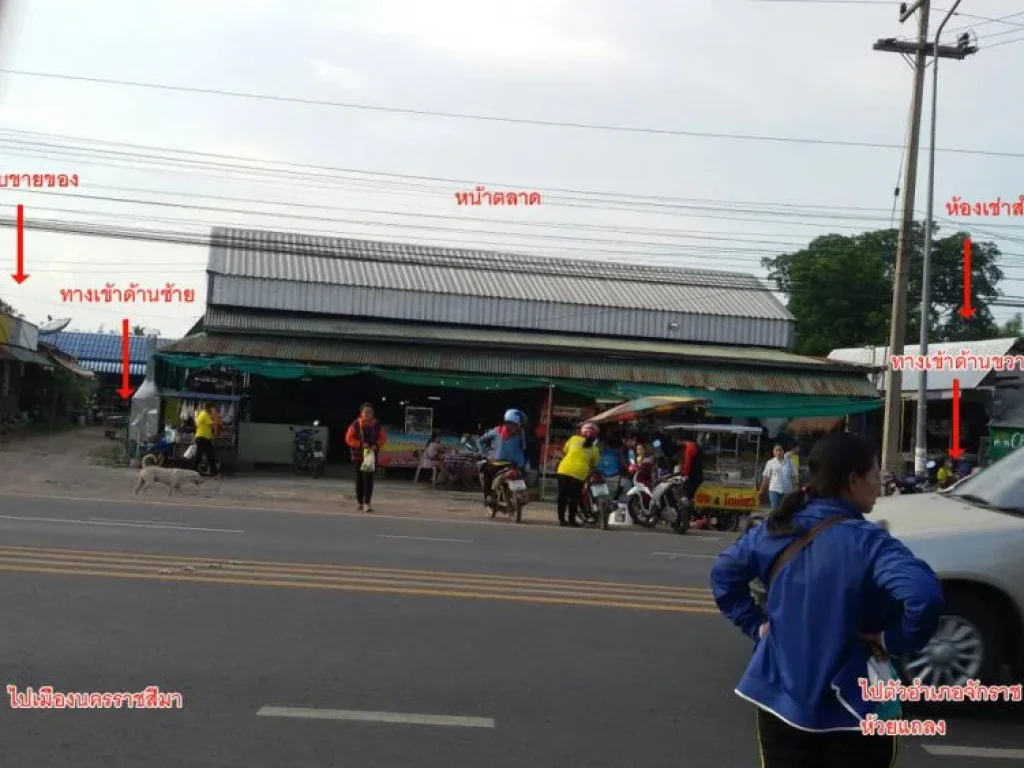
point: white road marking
(143, 522)
(163, 526)
(674, 555)
(423, 538)
(983, 752)
(401, 718)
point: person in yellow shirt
(580, 457)
(204, 438)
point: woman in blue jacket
(842, 595)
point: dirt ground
(81, 463)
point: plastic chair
(434, 465)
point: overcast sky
(770, 69)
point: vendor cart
(732, 458)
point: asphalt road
(305, 640)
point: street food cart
(732, 460)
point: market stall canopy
(645, 406)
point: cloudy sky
(157, 159)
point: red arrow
(126, 358)
(956, 451)
(967, 311)
(21, 277)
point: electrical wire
(487, 118)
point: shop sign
(566, 412)
(402, 450)
(1004, 441)
(726, 497)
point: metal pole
(921, 422)
(891, 461)
(547, 442)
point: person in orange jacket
(365, 437)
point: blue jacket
(506, 447)
(853, 579)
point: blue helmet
(514, 416)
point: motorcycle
(307, 451)
(658, 499)
(596, 504)
(508, 491)
(901, 486)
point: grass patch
(109, 455)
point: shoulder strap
(794, 548)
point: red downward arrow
(956, 451)
(126, 358)
(21, 277)
(967, 311)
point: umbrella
(644, 406)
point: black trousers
(364, 486)
(783, 746)
(569, 492)
(204, 447)
(487, 475)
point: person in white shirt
(779, 477)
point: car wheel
(968, 645)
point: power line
(329, 174)
(488, 118)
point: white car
(972, 535)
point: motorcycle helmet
(589, 431)
(514, 417)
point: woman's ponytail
(780, 521)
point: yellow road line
(171, 560)
(239, 573)
(668, 608)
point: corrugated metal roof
(100, 346)
(224, 320)
(110, 366)
(22, 355)
(477, 287)
(938, 381)
(503, 363)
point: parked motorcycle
(596, 504)
(656, 496)
(900, 486)
(307, 451)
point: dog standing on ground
(174, 479)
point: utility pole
(961, 50)
(898, 324)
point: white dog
(150, 474)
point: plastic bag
(190, 452)
(369, 461)
(882, 671)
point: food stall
(732, 460)
(177, 417)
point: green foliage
(840, 289)
(1013, 327)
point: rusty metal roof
(231, 320)
(581, 365)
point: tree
(839, 289)
(138, 330)
(1013, 327)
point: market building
(300, 328)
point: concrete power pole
(891, 461)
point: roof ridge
(460, 257)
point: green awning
(739, 404)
